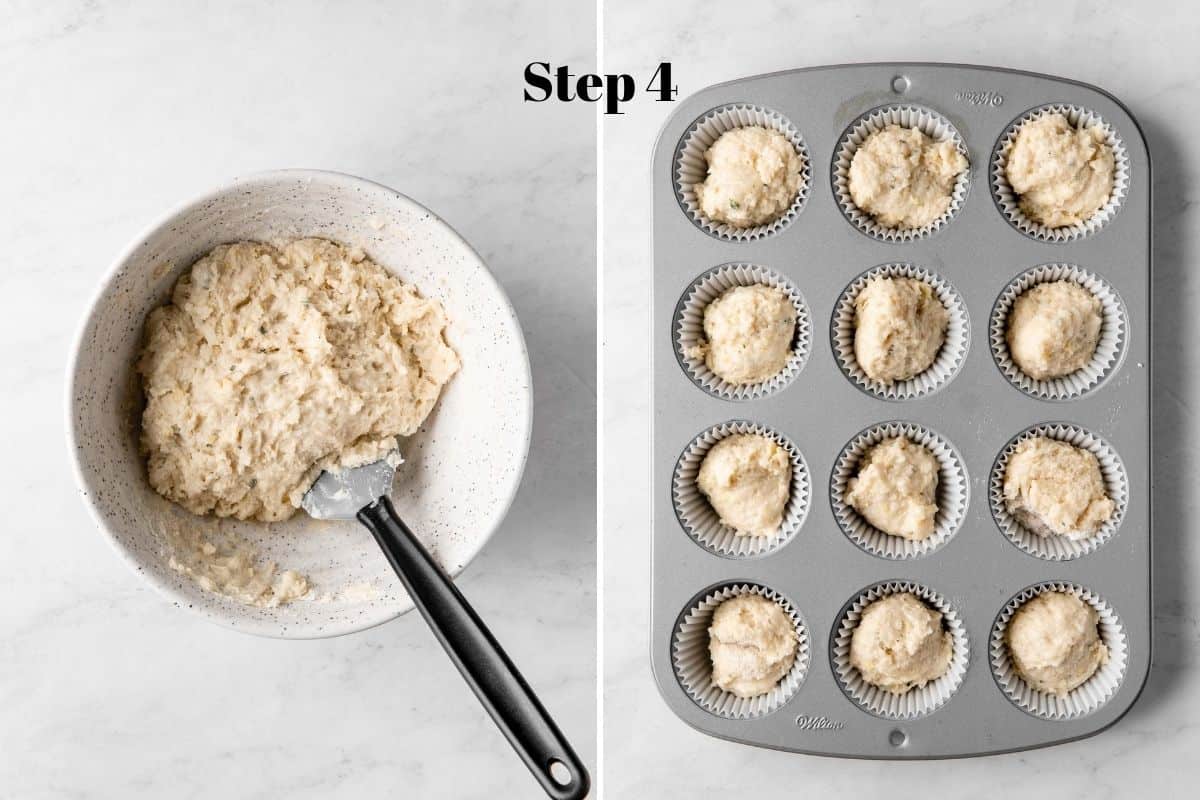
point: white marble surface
(114, 111)
(1148, 57)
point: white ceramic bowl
(463, 467)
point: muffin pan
(823, 566)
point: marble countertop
(1148, 58)
(115, 111)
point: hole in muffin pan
(952, 492)
(692, 663)
(1054, 547)
(950, 356)
(917, 702)
(1007, 201)
(1085, 699)
(699, 519)
(906, 115)
(687, 329)
(1110, 349)
(689, 167)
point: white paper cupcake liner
(1085, 698)
(1009, 202)
(949, 359)
(691, 168)
(952, 492)
(916, 702)
(1052, 546)
(1113, 327)
(693, 663)
(700, 520)
(930, 123)
(688, 330)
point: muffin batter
(752, 643)
(1052, 487)
(899, 643)
(1062, 174)
(899, 327)
(754, 174)
(747, 479)
(895, 488)
(270, 365)
(1055, 643)
(749, 332)
(1053, 329)
(223, 563)
(904, 178)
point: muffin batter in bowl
(752, 643)
(1055, 643)
(272, 364)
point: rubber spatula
(361, 494)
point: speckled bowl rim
(376, 614)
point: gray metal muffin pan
(978, 570)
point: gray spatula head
(340, 495)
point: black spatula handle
(478, 656)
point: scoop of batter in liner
(752, 644)
(1053, 329)
(899, 328)
(904, 178)
(747, 480)
(1062, 174)
(754, 175)
(1054, 487)
(1055, 643)
(900, 643)
(895, 489)
(749, 331)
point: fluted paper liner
(693, 664)
(1054, 547)
(1113, 334)
(929, 122)
(700, 520)
(690, 167)
(688, 329)
(949, 358)
(1085, 698)
(918, 701)
(1008, 200)
(952, 492)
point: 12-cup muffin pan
(970, 409)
